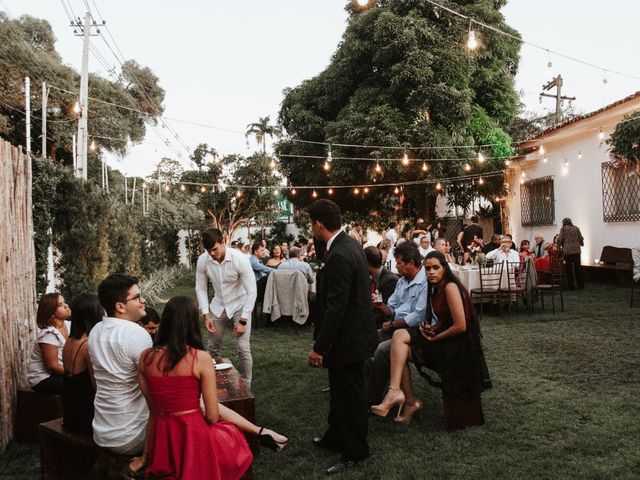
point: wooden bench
(64, 454)
(32, 409)
(619, 261)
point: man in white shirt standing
(115, 345)
(234, 286)
(504, 253)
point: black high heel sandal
(266, 440)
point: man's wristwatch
(242, 322)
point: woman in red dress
(183, 440)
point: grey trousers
(379, 374)
(243, 347)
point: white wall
(577, 191)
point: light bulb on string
(330, 191)
(276, 192)
(521, 181)
(480, 157)
(424, 166)
(480, 181)
(545, 159)
(182, 188)
(92, 147)
(601, 135)
(467, 167)
(378, 168)
(405, 159)
(396, 190)
(356, 191)
(579, 155)
(507, 162)
(239, 193)
(366, 190)
(541, 149)
(76, 107)
(327, 166)
(293, 191)
(213, 189)
(314, 194)
(203, 189)
(523, 174)
(549, 63)
(438, 186)
(167, 188)
(605, 81)
(472, 41)
(329, 156)
(362, 3)
(566, 164)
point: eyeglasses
(137, 297)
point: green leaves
(625, 139)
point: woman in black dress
(447, 343)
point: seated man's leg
(378, 379)
(215, 339)
(243, 344)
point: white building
(567, 172)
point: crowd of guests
(145, 386)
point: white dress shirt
(37, 370)
(233, 280)
(121, 411)
(499, 256)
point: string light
(507, 162)
(76, 107)
(472, 41)
(523, 174)
(378, 168)
(601, 135)
(467, 167)
(92, 147)
(545, 159)
(314, 194)
(167, 188)
(356, 191)
(329, 156)
(203, 190)
(293, 191)
(330, 191)
(362, 3)
(182, 188)
(405, 159)
(480, 181)
(438, 186)
(276, 192)
(579, 155)
(541, 149)
(239, 193)
(424, 166)
(396, 190)
(326, 166)
(566, 164)
(480, 157)
(366, 190)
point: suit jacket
(345, 331)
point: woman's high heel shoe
(409, 411)
(268, 440)
(394, 397)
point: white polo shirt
(121, 411)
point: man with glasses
(234, 286)
(115, 345)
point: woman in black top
(79, 385)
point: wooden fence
(17, 281)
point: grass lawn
(564, 402)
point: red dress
(187, 446)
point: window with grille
(620, 193)
(537, 202)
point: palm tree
(261, 129)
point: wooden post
(17, 281)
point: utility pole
(555, 82)
(83, 29)
(45, 99)
(27, 108)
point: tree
(625, 141)
(200, 155)
(225, 205)
(400, 78)
(260, 130)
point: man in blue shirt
(261, 271)
(406, 308)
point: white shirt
(121, 411)
(425, 251)
(330, 241)
(499, 256)
(37, 370)
(233, 280)
(392, 236)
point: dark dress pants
(572, 264)
(348, 412)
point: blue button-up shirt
(259, 269)
(409, 299)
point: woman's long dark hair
(179, 329)
(86, 311)
(450, 277)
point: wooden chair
(556, 275)
(490, 278)
(518, 283)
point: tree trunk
(17, 281)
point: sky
(225, 63)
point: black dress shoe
(341, 466)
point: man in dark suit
(382, 280)
(345, 335)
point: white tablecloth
(470, 277)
